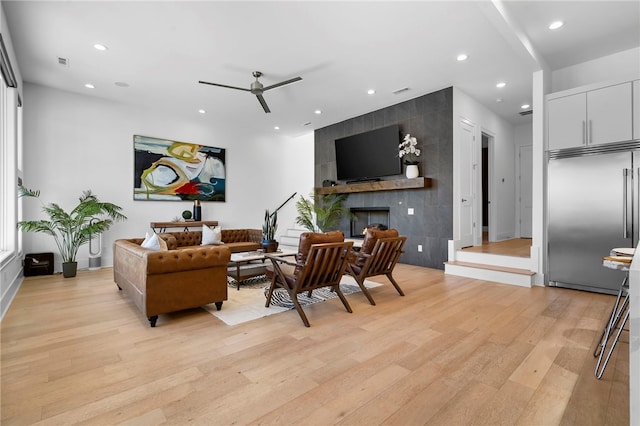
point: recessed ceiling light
(371, 92)
(501, 85)
(525, 106)
(99, 46)
(462, 57)
(498, 100)
(89, 86)
(318, 111)
(555, 25)
(276, 128)
(201, 111)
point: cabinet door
(609, 114)
(567, 120)
(636, 109)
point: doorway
(486, 166)
(485, 188)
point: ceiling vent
(404, 89)
(63, 61)
(528, 112)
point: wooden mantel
(381, 185)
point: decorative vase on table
(197, 211)
(412, 171)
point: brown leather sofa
(180, 278)
(236, 239)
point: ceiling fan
(257, 88)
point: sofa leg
(218, 305)
(119, 288)
(152, 320)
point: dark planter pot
(270, 246)
(69, 269)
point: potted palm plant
(269, 227)
(321, 213)
(71, 230)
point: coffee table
(248, 264)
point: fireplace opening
(368, 216)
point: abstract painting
(177, 171)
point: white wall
(623, 66)
(502, 173)
(74, 142)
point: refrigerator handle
(584, 132)
(625, 230)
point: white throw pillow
(211, 236)
(151, 242)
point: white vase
(412, 171)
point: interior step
(490, 272)
(493, 259)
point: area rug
(247, 303)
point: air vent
(404, 89)
(308, 123)
(529, 112)
(63, 61)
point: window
(10, 120)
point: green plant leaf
(71, 230)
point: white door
(526, 182)
(466, 184)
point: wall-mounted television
(369, 155)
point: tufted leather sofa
(236, 239)
(159, 282)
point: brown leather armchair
(320, 262)
(378, 255)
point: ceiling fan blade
(273, 86)
(263, 103)
(224, 85)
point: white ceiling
(161, 49)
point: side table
(162, 226)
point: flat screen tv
(369, 155)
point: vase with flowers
(408, 149)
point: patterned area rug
(247, 303)
(281, 298)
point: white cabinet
(598, 116)
(567, 125)
(636, 109)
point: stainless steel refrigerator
(592, 208)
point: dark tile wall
(430, 119)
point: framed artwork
(177, 171)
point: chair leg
(294, 299)
(613, 320)
(395, 284)
(600, 371)
(342, 298)
(271, 288)
(364, 289)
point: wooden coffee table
(249, 264)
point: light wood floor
(453, 351)
(517, 247)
